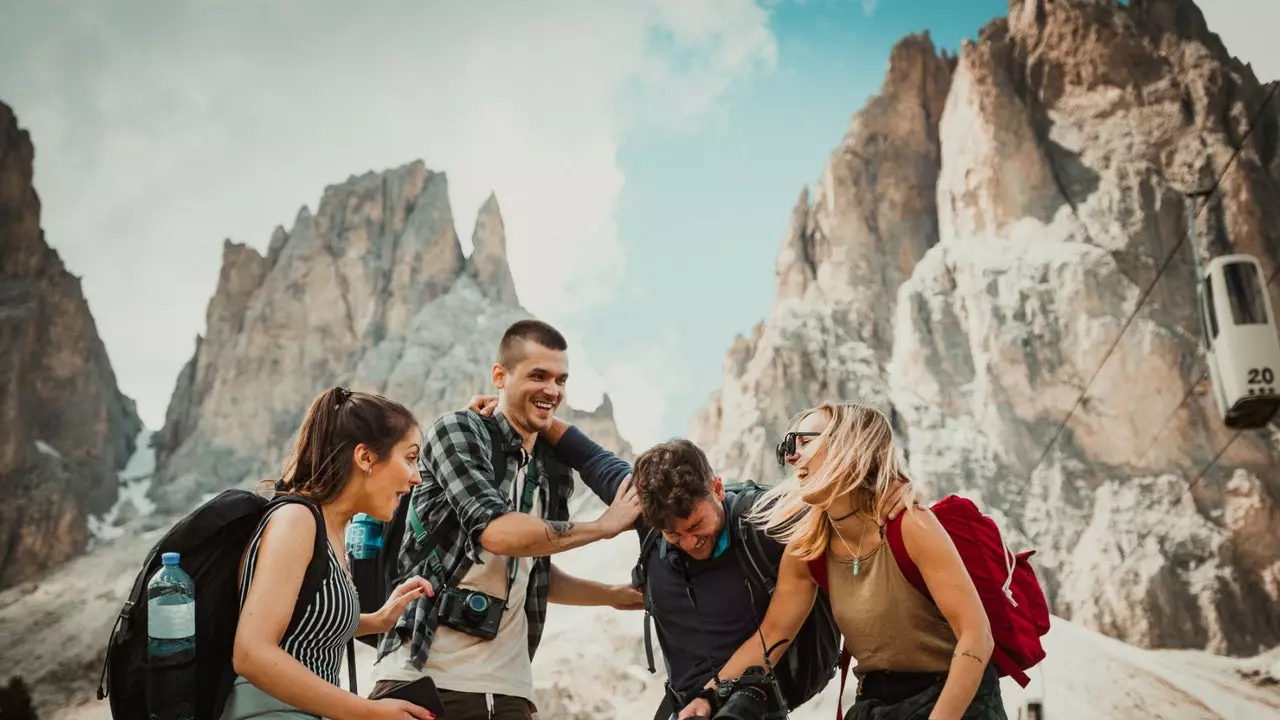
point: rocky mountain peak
(67, 427)
(488, 261)
(850, 244)
(372, 291)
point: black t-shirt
(696, 640)
(702, 611)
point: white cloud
(638, 383)
(639, 386)
(1248, 29)
(869, 7)
(162, 129)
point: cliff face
(1070, 132)
(1105, 116)
(373, 292)
(67, 429)
(848, 249)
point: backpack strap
(818, 569)
(351, 665)
(317, 571)
(497, 451)
(755, 563)
(640, 579)
(557, 470)
(845, 659)
(893, 533)
(318, 568)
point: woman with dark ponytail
(355, 453)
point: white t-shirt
(465, 663)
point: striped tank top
(329, 620)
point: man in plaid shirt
(495, 540)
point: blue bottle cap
(170, 558)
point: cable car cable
(1204, 373)
(1143, 298)
(1147, 535)
(1199, 478)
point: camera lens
(748, 703)
(477, 604)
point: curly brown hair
(671, 479)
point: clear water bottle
(171, 642)
(364, 537)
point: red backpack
(1006, 583)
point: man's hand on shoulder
(487, 405)
(900, 496)
(484, 405)
(623, 511)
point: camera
(754, 695)
(471, 611)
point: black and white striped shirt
(328, 622)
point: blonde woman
(914, 658)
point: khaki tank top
(886, 623)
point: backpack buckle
(124, 611)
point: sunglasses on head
(788, 445)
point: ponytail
(338, 421)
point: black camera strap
(736, 522)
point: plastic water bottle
(171, 642)
(364, 537)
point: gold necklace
(855, 555)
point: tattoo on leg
(557, 529)
(970, 655)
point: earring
(368, 472)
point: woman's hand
(385, 617)
(389, 709)
(483, 404)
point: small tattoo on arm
(971, 656)
(557, 529)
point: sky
(645, 155)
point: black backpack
(376, 577)
(809, 664)
(211, 540)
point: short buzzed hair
(671, 479)
(511, 349)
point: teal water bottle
(364, 537)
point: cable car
(1242, 348)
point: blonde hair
(861, 460)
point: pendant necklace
(855, 555)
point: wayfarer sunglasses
(788, 445)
